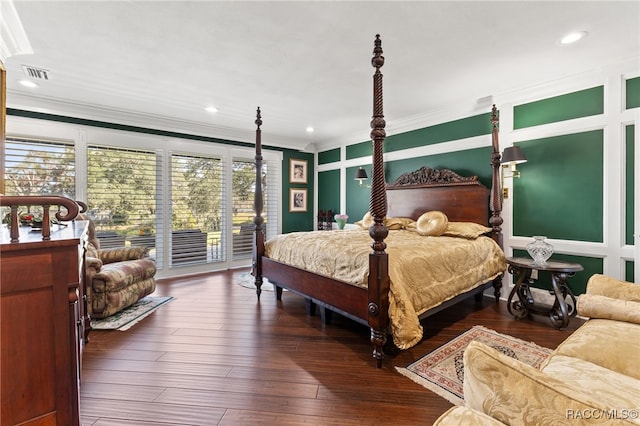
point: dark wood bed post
(258, 205)
(496, 192)
(378, 317)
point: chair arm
(120, 254)
(516, 393)
(93, 264)
(603, 285)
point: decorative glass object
(539, 250)
(341, 220)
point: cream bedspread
(424, 271)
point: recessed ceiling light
(310, 129)
(211, 109)
(573, 37)
(28, 83)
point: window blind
(39, 167)
(122, 195)
(197, 209)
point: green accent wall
(577, 283)
(629, 184)
(632, 91)
(470, 162)
(560, 191)
(450, 131)
(453, 130)
(629, 273)
(362, 149)
(357, 196)
(329, 190)
(330, 156)
(297, 221)
(583, 103)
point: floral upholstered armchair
(116, 278)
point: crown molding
(20, 101)
(628, 68)
(13, 38)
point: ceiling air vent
(36, 73)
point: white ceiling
(158, 64)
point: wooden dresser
(42, 325)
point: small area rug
(441, 371)
(247, 280)
(127, 318)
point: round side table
(560, 312)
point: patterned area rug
(127, 318)
(247, 280)
(441, 371)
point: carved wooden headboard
(462, 199)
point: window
(197, 209)
(122, 195)
(38, 167)
(243, 187)
(190, 202)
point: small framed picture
(297, 200)
(297, 171)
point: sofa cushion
(461, 415)
(117, 276)
(614, 345)
(604, 285)
(106, 304)
(517, 394)
(614, 390)
(120, 254)
(596, 306)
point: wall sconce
(361, 175)
(510, 157)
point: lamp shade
(361, 174)
(513, 154)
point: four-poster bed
(369, 287)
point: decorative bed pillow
(366, 222)
(468, 230)
(394, 223)
(432, 223)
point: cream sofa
(593, 377)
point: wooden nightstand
(560, 312)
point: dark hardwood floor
(217, 356)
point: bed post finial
(378, 290)
(258, 205)
(258, 118)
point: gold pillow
(432, 223)
(366, 222)
(468, 230)
(394, 223)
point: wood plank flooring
(217, 356)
